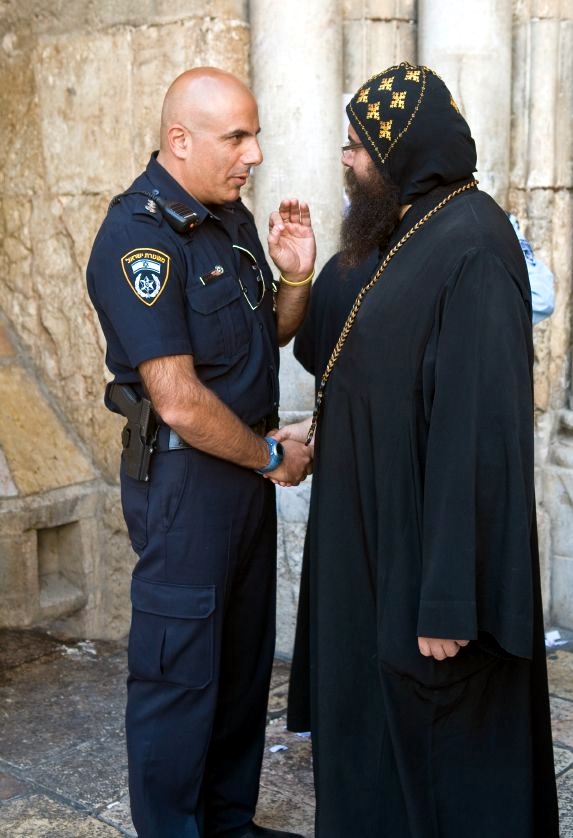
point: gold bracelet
(309, 278)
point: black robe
(422, 522)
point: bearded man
(420, 663)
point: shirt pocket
(220, 326)
(172, 633)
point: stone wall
(81, 85)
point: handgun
(139, 434)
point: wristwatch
(276, 454)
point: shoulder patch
(147, 272)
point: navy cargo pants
(201, 643)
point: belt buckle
(175, 441)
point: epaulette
(179, 216)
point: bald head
(209, 134)
(197, 96)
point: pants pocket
(172, 633)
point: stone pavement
(62, 746)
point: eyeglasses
(350, 147)
(254, 265)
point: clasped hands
(298, 458)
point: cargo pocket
(172, 633)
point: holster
(139, 434)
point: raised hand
(291, 241)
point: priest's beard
(372, 215)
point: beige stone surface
(39, 817)
(371, 46)
(564, 106)
(560, 674)
(81, 86)
(40, 453)
(380, 9)
(6, 344)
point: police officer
(193, 321)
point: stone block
(296, 385)
(66, 562)
(292, 509)
(39, 452)
(543, 86)
(564, 108)
(371, 46)
(293, 501)
(161, 53)
(19, 581)
(558, 496)
(521, 69)
(562, 590)
(83, 86)
(544, 538)
(6, 343)
(379, 10)
(289, 562)
(7, 486)
(545, 9)
(20, 139)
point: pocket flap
(206, 299)
(184, 602)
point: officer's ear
(179, 140)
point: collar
(172, 190)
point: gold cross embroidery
(363, 95)
(385, 130)
(386, 84)
(373, 111)
(412, 75)
(398, 100)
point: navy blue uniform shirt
(158, 292)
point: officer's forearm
(197, 415)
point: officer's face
(221, 154)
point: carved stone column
(296, 66)
(296, 61)
(377, 34)
(469, 45)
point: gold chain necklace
(362, 293)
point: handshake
(298, 458)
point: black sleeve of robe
(478, 489)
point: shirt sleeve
(540, 278)
(137, 279)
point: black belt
(169, 440)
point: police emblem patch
(147, 272)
